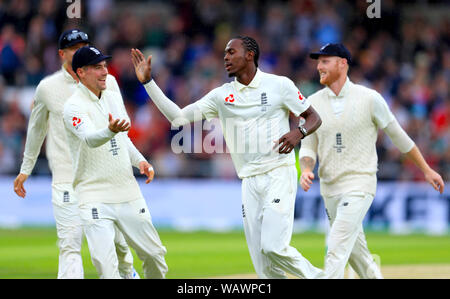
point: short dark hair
(250, 44)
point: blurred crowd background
(404, 55)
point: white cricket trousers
(69, 230)
(346, 240)
(134, 221)
(268, 213)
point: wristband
(303, 130)
(143, 83)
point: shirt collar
(253, 84)
(67, 76)
(89, 93)
(344, 91)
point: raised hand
(117, 125)
(142, 66)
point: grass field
(33, 253)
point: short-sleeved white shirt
(253, 117)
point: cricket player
(103, 157)
(346, 150)
(254, 112)
(46, 120)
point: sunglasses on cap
(72, 37)
(77, 36)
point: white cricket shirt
(102, 160)
(253, 117)
(46, 120)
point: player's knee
(70, 239)
(69, 245)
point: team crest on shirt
(264, 102)
(229, 100)
(114, 148)
(339, 146)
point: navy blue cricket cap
(87, 55)
(333, 50)
(71, 37)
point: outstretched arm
(171, 111)
(406, 145)
(176, 115)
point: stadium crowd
(404, 55)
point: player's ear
(341, 63)
(249, 55)
(80, 72)
(61, 54)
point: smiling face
(94, 77)
(331, 68)
(236, 58)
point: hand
(18, 185)
(116, 125)
(435, 180)
(288, 141)
(306, 180)
(142, 67)
(147, 169)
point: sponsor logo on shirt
(301, 97)
(76, 122)
(229, 100)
